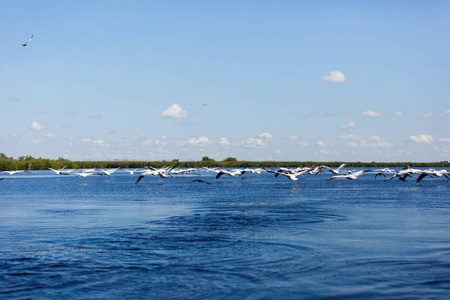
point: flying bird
(25, 44)
(199, 180)
(352, 176)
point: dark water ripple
(262, 238)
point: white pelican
(13, 172)
(131, 171)
(337, 171)
(432, 172)
(58, 171)
(352, 176)
(404, 173)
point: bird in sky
(25, 44)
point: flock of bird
(292, 174)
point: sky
(254, 80)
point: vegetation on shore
(32, 163)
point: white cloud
(49, 135)
(224, 142)
(174, 111)
(399, 113)
(374, 141)
(302, 143)
(36, 141)
(445, 140)
(321, 144)
(265, 135)
(36, 126)
(435, 114)
(372, 114)
(201, 141)
(147, 142)
(423, 139)
(100, 143)
(293, 138)
(348, 126)
(255, 143)
(335, 76)
(161, 144)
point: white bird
(352, 176)
(404, 173)
(382, 171)
(58, 171)
(432, 172)
(109, 171)
(337, 171)
(13, 172)
(25, 44)
(131, 171)
(231, 173)
(83, 174)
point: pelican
(352, 176)
(83, 174)
(231, 173)
(58, 171)
(131, 171)
(408, 171)
(432, 172)
(109, 171)
(13, 172)
(382, 171)
(25, 44)
(337, 171)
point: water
(258, 238)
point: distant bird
(13, 172)
(352, 176)
(199, 180)
(382, 171)
(204, 104)
(25, 44)
(131, 171)
(83, 174)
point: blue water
(258, 238)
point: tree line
(32, 163)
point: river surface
(66, 237)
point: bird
(199, 180)
(407, 171)
(131, 171)
(25, 44)
(2, 178)
(58, 171)
(231, 173)
(13, 172)
(83, 174)
(382, 171)
(352, 176)
(432, 172)
(337, 171)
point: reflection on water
(259, 238)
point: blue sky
(255, 80)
